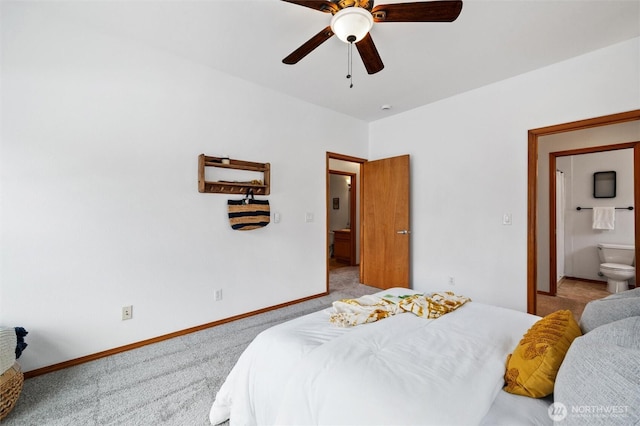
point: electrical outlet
(218, 295)
(127, 312)
(452, 281)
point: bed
(403, 369)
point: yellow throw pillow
(533, 365)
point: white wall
(99, 199)
(581, 255)
(469, 167)
(596, 136)
(99, 206)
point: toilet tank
(616, 253)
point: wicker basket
(10, 387)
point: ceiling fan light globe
(351, 22)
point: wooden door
(385, 233)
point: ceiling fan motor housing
(351, 24)
(343, 4)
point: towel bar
(617, 208)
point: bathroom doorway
(538, 230)
(577, 279)
(573, 251)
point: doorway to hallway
(343, 214)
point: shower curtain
(560, 208)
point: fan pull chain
(350, 63)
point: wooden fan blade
(424, 11)
(321, 5)
(369, 54)
(308, 47)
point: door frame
(336, 156)
(553, 255)
(532, 191)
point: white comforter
(400, 370)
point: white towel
(604, 217)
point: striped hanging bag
(248, 213)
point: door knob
(404, 231)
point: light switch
(308, 217)
(506, 219)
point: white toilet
(616, 263)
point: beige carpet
(572, 295)
(171, 383)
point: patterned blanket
(366, 309)
(350, 312)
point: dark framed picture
(336, 203)
(604, 184)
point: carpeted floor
(172, 382)
(572, 295)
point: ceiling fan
(352, 20)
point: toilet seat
(617, 267)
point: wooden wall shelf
(233, 187)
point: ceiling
(424, 62)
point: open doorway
(574, 277)
(539, 258)
(343, 217)
(382, 232)
(573, 252)
(342, 223)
